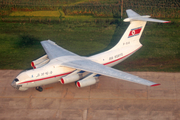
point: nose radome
(13, 84)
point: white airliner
(61, 65)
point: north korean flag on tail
(134, 32)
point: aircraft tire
(40, 89)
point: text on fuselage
(43, 73)
(116, 56)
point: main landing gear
(40, 89)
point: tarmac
(110, 99)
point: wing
(55, 51)
(69, 59)
(96, 68)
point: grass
(36, 13)
(20, 42)
(44, 2)
(98, 8)
(26, 23)
(45, 15)
(80, 38)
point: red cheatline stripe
(44, 78)
(121, 57)
(155, 85)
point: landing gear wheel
(40, 89)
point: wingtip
(167, 22)
(155, 85)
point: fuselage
(52, 71)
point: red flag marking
(134, 32)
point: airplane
(61, 65)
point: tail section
(135, 29)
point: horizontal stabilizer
(131, 13)
(133, 16)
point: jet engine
(40, 62)
(87, 81)
(72, 77)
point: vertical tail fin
(135, 29)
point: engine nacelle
(87, 81)
(40, 62)
(70, 78)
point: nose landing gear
(40, 89)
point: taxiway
(110, 99)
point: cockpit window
(16, 80)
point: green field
(87, 27)
(96, 8)
(20, 42)
(36, 13)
